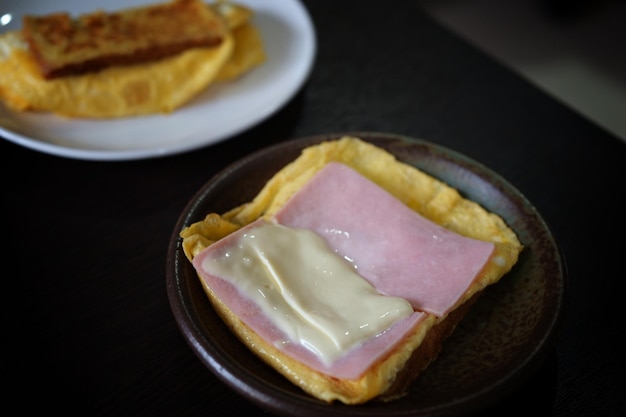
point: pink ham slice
(397, 250)
(352, 365)
(394, 248)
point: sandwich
(136, 61)
(349, 269)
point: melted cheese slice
(309, 293)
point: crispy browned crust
(65, 46)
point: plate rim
(287, 404)
(305, 32)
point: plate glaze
(497, 347)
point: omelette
(160, 86)
(339, 190)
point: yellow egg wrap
(155, 87)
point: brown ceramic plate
(496, 347)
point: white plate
(222, 111)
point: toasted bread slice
(160, 86)
(63, 46)
(153, 87)
(391, 376)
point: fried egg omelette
(160, 86)
(390, 377)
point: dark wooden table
(87, 327)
